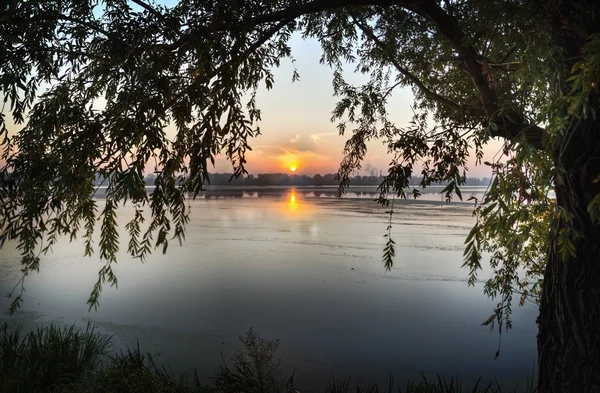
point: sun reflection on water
(295, 206)
(292, 201)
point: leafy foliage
(512, 230)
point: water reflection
(431, 194)
(305, 270)
(295, 194)
(295, 204)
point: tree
(522, 71)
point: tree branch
(241, 57)
(508, 54)
(90, 26)
(451, 30)
(63, 51)
(157, 14)
(452, 58)
(407, 74)
(57, 16)
(267, 35)
(290, 13)
(148, 8)
(510, 124)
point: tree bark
(569, 320)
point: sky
(296, 127)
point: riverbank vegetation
(67, 360)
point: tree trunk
(569, 320)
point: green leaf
(491, 319)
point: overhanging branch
(405, 72)
(148, 8)
(510, 124)
(83, 23)
(289, 13)
(267, 35)
(158, 15)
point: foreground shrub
(255, 369)
(64, 360)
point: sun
(293, 167)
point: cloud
(308, 143)
(268, 150)
(316, 138)
(303, 143)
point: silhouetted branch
(407, 74)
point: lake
(301, 266)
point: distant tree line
(284, 179)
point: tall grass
(64, 360)
(48, 357)
(438, 385)
(133, 371)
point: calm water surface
(301, 266)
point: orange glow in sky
(296, 127)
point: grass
(55, 359)
(133, 372)
(438, 385)
(48, 357)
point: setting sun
(293, 167)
